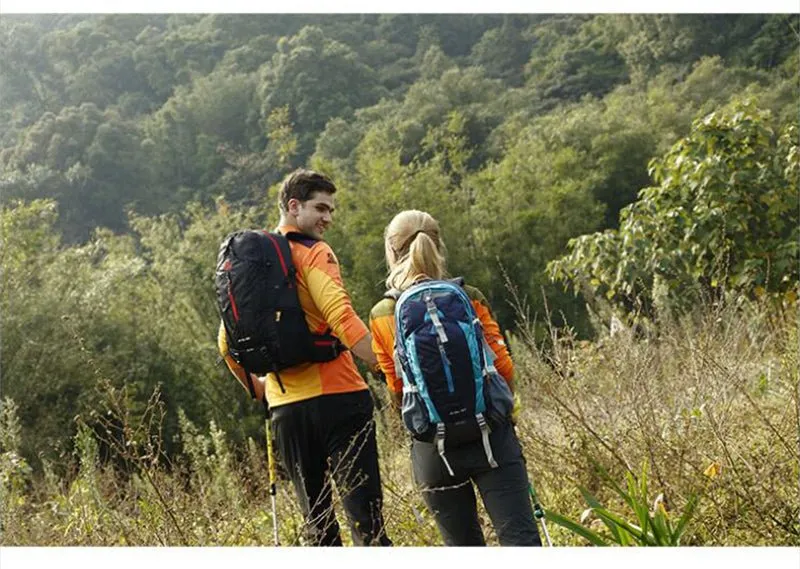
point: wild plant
(14, 470)
(652, 526)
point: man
(322, 420)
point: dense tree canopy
(644, 158)
(722, 219)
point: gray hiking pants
(504, 490)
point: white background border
(399, 6)
(350, 558)
(406, 557)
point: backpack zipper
(233, 301)
(446, 365)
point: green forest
(622, 187)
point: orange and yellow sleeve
(381, 324)
(327, 290)
(491, 331)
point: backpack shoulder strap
(301, 238)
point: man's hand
(363, 349)
(259, 386)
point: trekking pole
(538, 512)
(271, 467)
(270, 457)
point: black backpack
(258, 303)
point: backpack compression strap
(439, 438)
(487, 447)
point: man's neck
(287, 220)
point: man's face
(313, 216)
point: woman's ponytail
(414, 249)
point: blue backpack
(451, 389)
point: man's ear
(293, 206)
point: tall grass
(714, 393)
(719, 390)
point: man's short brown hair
(301, 185)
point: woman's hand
(516, 409)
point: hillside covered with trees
(643, 167)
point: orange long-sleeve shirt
(327, 306)
(382, 326)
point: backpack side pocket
(415, 414)
(500, 399)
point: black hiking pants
(504, 490)
(333, 437)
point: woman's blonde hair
(414, 249)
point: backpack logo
(451, 389)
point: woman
(415, 252)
